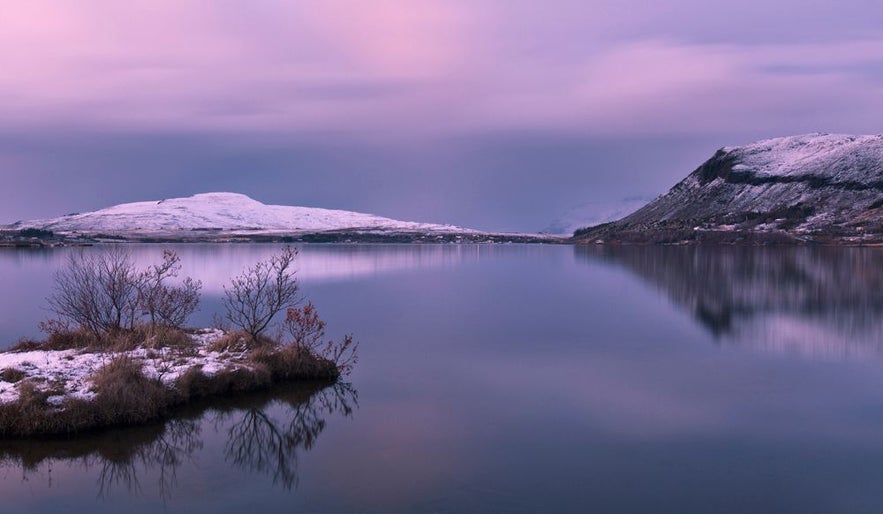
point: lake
(511, 378)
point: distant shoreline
(13, 239)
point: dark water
(514, 379)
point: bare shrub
(305, 327)
(97, 292)
(343, 353)
(308, 332)
(261, 292)
(167, 305)
(104, 294)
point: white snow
(228, 212)
(829, 155)
(71, 369)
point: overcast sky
(493, 114)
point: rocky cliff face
(813, 188)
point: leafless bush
(98, 292)
(103, 293)
(261, 292)
(305, 327)
(167, 305)
(308, 332)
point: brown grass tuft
(59, 340)
(125, 395)
(194, 384)
(294, 363)
(12, 375)
(239, 341)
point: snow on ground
(72, 368)
(229, 212)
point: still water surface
(513, 379)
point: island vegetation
(117, 350)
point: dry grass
(194, 384)
(59, 340)
(239, 341)
(124, 395)
(142, 336)
(294, 363)
(12, 375)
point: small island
(117, 353)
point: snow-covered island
(116, 351)
(809, 189)
(47, 391)
(233, 217)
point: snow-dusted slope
(816, 187)
(226, 212)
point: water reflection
(262, 444)
(816, 302)
(265, 435)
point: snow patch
(70, 370)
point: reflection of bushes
(261, 443)
(266, 432)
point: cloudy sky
(494, 114)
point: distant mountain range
(233, 216)
(816, 188)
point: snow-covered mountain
(226, 212)
(810, 188)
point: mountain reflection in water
(814, 302)
(265, 433)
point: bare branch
(261, 292)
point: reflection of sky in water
(544, 379)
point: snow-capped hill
(225, 212)
(836, 156)
(824, 188)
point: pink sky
(397, 68)
(494, 114)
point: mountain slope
(812, 188)
(224, 212)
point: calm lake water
(513, 379)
